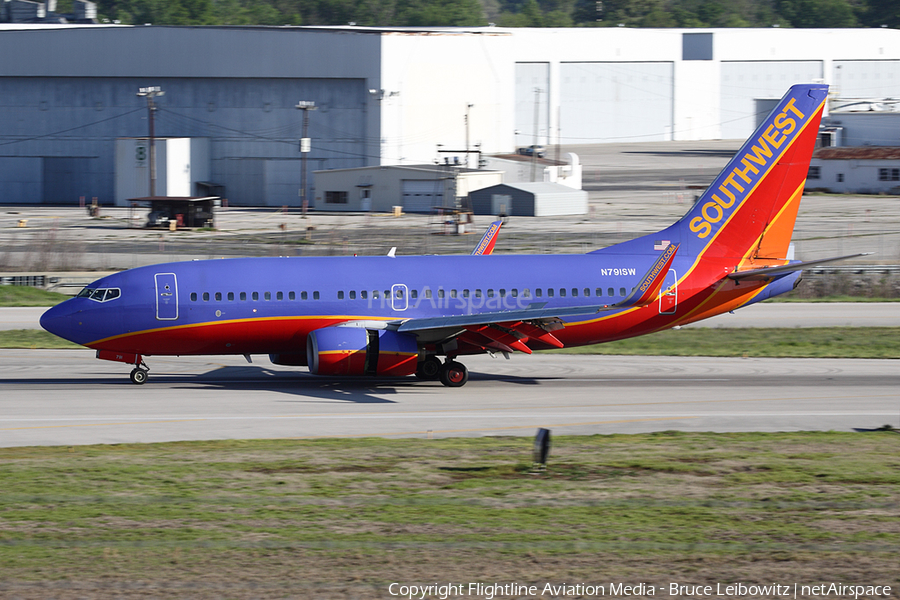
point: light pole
(537, 113)
(468, 108)
(150, 93)
(380, 95)
(305, 146)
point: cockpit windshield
(99, 294)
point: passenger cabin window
(193, 296)
(218, 296)
(611, 292)
(587, 291)
(538, 293)
(413, 294)
(622, 292)
(526, 293)
(267, 296)
(427, 293)
(490, 293)
(340, 295)
(303, 295)
(279, 296)
(549, 292)
(206, 296)
(243, 296)
(352, 295)
(231, 296)
(363, 294)
(598, 292)
(574, 292)
(292, 296)
(255, 296)
(315, 295)
(440, 293)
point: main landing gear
(450, 373)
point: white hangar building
(387, 96)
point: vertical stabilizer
(749, 210)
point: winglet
(486, 245)
(647, 290)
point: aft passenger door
(668, 297)
(166, 297)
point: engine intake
(357, 351)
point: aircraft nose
(58, 320)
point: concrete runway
(793, 314)
(67, 397)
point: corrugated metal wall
(603, 102)
(744, 82)
(76, 122)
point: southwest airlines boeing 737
(391, 316)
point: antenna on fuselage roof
(392, 252)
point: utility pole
(468, 107)
(150, 93)
(305, 146)
(537, 114)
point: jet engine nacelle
(358, 351)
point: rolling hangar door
(420, 195)
(866, 78)
(529, 77)
(750, 89)
(605, 102)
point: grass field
(345, 518)
(15, 295)
(805, 342)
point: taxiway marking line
(433, 412)
(568, 406)
(433, 431)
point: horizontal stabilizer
(767, 272)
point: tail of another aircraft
(748, 212)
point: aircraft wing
(509, 329)
(767, 272)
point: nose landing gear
(139, 374)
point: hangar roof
(858, 153)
